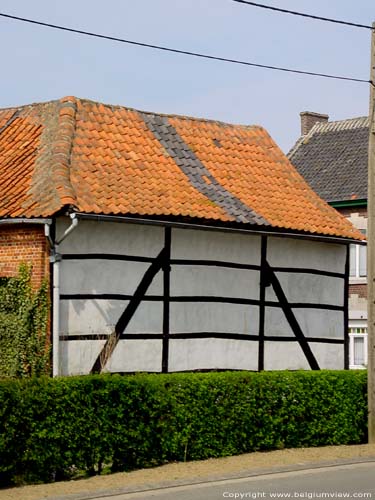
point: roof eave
(25, 220)
(215, 225)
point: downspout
(55, 259)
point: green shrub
(52, 428)
(24, 350)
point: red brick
(358, 289)
(24, 244)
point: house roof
(332, 157)
(103, 159)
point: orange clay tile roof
(102, 159)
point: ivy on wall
(24, 346)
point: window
(357, 347)
(358, 265)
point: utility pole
(371, 250)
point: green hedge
(53, 428)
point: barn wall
(211, 301)
(317, 300)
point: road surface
(356, 481)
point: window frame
(361, 333)
(357, 277)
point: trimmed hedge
(53, 428)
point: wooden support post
(371, 250)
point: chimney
(308, 120)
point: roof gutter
(23, 220)
(348, 203)
(209, 227)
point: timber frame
(163, 263)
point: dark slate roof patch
(332, 158)
(199, 176)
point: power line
(185, 52)
(302, 14)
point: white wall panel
(313, 322)
(148, 318)
(290, 356)
(105, 276)
(284, 356)
(320, 323)
(111, 237)
(329, 356)
(195, 354)
(230, 247)
(276, 324)
(136, 356)
(78, 356)
(215, 281)
(289, 252)
(79, 317)
(195, 317)
(89, 316)
(309, 288)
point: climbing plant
(24, 346)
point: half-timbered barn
(175, 243)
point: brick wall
(348, 211)
(359, 290)
(24, 243)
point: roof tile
(329, 155)
(114, 160)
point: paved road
(338, 482)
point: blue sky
(39, 64)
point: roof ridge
(169, 115)
(29, 105)
(348, 119)
(324, 127)
(348, 123)
(129, 108)
(62, 148)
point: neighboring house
(332, 157)
(176, 243)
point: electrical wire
(184, 52)
(302, 14)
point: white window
(357, 347)
(358, 265)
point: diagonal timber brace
(288, 312)
(129, 312)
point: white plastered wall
(217, 315)
(310, 289)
